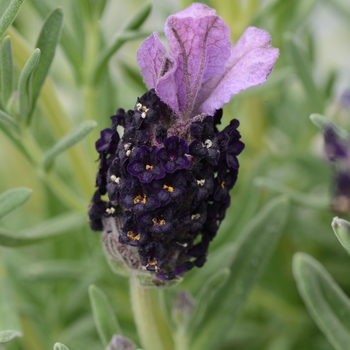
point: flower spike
(168, 176)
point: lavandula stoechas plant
(168, 175)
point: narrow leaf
(6, 336)
(47, 42)
(302, 68)
(324, 124)
(59, 346)
(9, 323)
(9, 15)
(253, 249)
(69, 140)
(129, 32)
(46, 230)
(8, 120)
(24, 84)
(136, 21)
(105, 320)
(53, 270)
(206, 294)
(6, 69)
(13, 199)
(341, 229)
(118, 42)
(327, 303)
(309, 200)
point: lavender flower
(337, 149)
(169, 175)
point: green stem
(151, 323)
(181, 340)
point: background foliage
(52, 98)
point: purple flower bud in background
(337, 149)
(169, 175)
(119, 342)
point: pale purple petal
(250, 63)
(150, 59)
(195, 10)
(200, 46)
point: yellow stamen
(157, 222)
(149, 167)
(139, 198)
(222, 184)
(131, 235)
(169, 188)
(195, 216)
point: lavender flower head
(169, 175)
(337, 149)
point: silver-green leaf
(129, 32)
(69, 140)
(324, 123)
(9, 322)
(105, 320)
(9, 15)
(60, 346)
(8, 120)
(24, 84)
(341, 229)
(253, 249)
(46, 230)
(316, 201)
(327, 303)
(47, 43)
(6, 70)
(210, 287)
(8, 335)
(13, 199)
(299, 61)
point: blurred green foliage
(88, 70)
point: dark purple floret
(160, 133)
(97, 209)
(146, 166)
(147, 108)
(225, 182)
(172, 155)
(230, 144)
(120, 118)
(172, 188)
(167, 195)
